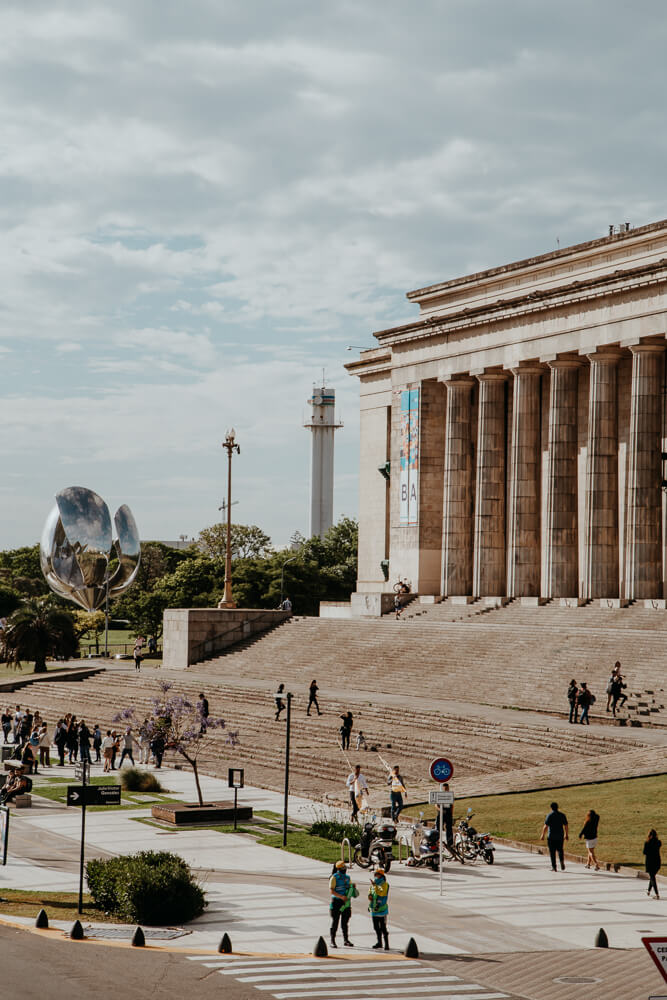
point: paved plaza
(274, 906)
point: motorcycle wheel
(488, 857)
(360, 860)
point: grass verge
(58, 905)
(55, 789)
(628, 809)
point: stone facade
(522, 415)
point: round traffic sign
(441, 769)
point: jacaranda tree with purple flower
(180, 725)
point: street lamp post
(230, 446)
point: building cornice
(553, 255)
(624, 279)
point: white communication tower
(323, 425)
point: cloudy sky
(203, 203)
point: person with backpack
(589, 832)
(617, 687)
(584, 699)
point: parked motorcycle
(375, 848)
(471, 844)
(425, 848)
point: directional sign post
(441, 771)
(90, 795)
(235, 781)
(4, 833)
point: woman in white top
(44, 746)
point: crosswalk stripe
(319, 967)
(340, 974)
(297, 991)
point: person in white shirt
(357, 786)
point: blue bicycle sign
(441, 769)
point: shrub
(151, 887)
(331, 829)
(134, 780)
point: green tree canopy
(36, 630)
(247, 541)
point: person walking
(343, 891)
(346, 730)
(278, 698)
(612, 677)
(128, 746)
(396, 793)
(202, 706)
(312, 697)
(617, 688)
(589, 832)
(652, 861)
(584, 700)
(378, 904)
(357, 786)
(136, 652)
(572, 693)
(107, 750)
(556, 831)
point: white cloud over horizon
(203, 205)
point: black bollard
(601, 939)
(320, 950)
(225, 946)
(42, 920)
(411, 951)
(138, 938)
(76, 933)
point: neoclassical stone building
(512, 435)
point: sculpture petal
(87, 525)
(128, 550)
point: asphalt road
(35, 967)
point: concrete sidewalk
(276, 902)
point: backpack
(593, 699)
(28, 787)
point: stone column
(457, 514)
(489, 525)
(643, 536)
(523, 522)
(601, 527)
(561, 559)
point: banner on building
(409, 483)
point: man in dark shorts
(556, 831)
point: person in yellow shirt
(397, 791)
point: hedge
(150, 887)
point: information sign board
(439, 797)
(93, 795)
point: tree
(10, 600)
(39, 628)
(21, 569)
(181, 725)
(247, 541)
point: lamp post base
(226, 604)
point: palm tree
(39, 628)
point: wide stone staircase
(489, 754)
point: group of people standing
(343, 891)
(581, 698)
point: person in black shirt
(572, 693)
(589, 832)
(312, 699)
(653, 862)
(555, 829)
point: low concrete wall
(191, 635)
(375, 605)
(335, 609)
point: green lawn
(58, 905)
(627, 808)
(55, 789)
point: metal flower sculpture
(83, 558)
